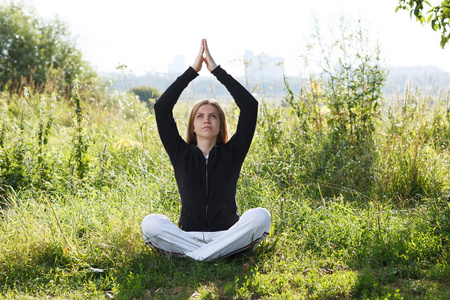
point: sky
(145, 35)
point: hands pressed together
(204, 56)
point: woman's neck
(205, 145)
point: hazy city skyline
(146, 35)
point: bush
(146, 94)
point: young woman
(207, 166)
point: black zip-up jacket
(207, 187)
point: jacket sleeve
(248, 115)
(165, 121)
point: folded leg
(249, 231)
(159, 232)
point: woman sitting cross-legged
(207, 167)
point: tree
(34, 52)
(438, 15)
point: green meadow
(360, 207)
(357, 183)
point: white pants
(253, 226)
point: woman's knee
(152, 224)
(258, 216)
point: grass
(346, 224)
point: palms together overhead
(204, 56)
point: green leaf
(444, 41)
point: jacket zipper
(207, 191)
(206, 207)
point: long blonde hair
(222, 137)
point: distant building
(178, 65)
(264, 73)
(263, 67)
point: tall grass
(359, 199)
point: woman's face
(207, 122)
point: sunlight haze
(146, 35)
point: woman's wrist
(213, 67)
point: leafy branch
(438, 15)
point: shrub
(146, 94)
